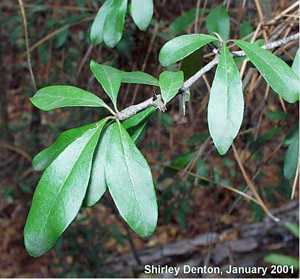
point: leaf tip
(93, 63)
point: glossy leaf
(114, 23)
(182, 46)
(139, 77)
(295, 65)
(275, 71)
(59, 194)
(59, 96)
(291, 158)
(226, 104)
(138, 131)
(183, 22)
(97, 183)
(218, 21)
(96, 35)
(137, 123)
(138, 118)
(109, 78)
(132, 189)
(43, 159)
(142, 13)
(170, 82)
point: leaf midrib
(110, 85)
(48, 96)
(131, 180)
(197, 40)
(62, 185)
(269, 65)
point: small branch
(27, 43)
(188, 83)
(16, 150)
(271, 45)
(134, 109)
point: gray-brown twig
(158, 102)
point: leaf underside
(142, 13)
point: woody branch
(157, 101)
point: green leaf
(138, 118)
(59, 96)
(258, 212)
(170, 82)
(197, 138)
(183, 22)
(295, 65)
(266, 137)
(139, 77)
(260, 42)
(292, 227)
(226, 103)
(192, 63)
(44, 158)
(132, 189)
(109, 78)
(180, 162)
(97, 184)
(280, 259)
(291, 157)
(201, 170)
(138, 131)
(96, 35)
(182, 46)
(114, 23)
(59, 194)
(137, 123)
(292, 134)
(218, 21)
(142, 13)
(275, 71)
(278, 115)
(246, 29)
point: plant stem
(157, 102)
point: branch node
(159, 103)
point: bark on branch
(157, 100)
